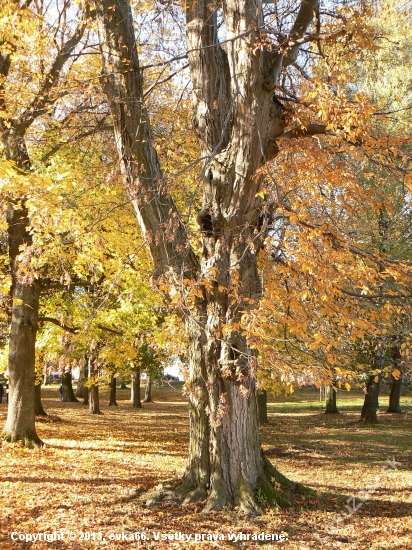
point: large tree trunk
(112, 401)
(68, 393)
(331, 407)
(20, 424)
(395, 383)
(94, 406)
(238, 122)
(371, 403)
(148, 391)
(136, 401)
(38, 405)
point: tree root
(29, 440)
(273, 489)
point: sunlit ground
(86, 476)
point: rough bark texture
(148, 391)
(262, 401)
(135, 397)
(38, 405)
(237, 121)
(371, 403)
(68, 393)
(94, 404)
(20, 424)
(112, 401)
(395, 383)
(331, 407)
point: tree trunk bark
(94, 407)
(396, 383)
(20, 424)
(148, 391)
(371, 403)
(136, 401)
(86, 395)
(38, 405)
(113, 402)
(331, 407)
(262, 402)
(68, 393)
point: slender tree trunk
(94, 407)
(113, 402)
(123, 385)
(68, 393)
(262, 402)
(331, 407)
(396, 383)
(136, 401)
(38, 405)
(148, 391)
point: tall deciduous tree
(238, 121)
(25, 289)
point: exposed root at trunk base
(273, 489)
(29, 440)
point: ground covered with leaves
(85, 483)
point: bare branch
(303, 20)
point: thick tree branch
(209, 70)
(303, 20)
(311, 130)
(73, 330)
(122, 81)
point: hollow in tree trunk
(112, 401)
(136, 401)
(68, 393)
(262, 402)
(331, 407)
(395, 383)
(38, 405)
(148, 391)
